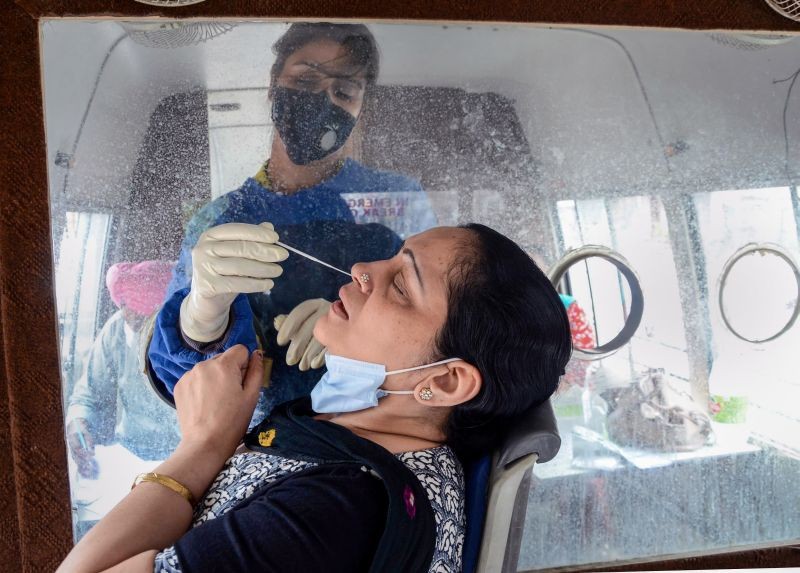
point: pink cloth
(141, 287)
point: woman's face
(393, 318)
(323, 65)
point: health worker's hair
(505, 318)
(355, 38)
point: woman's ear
(460, 383)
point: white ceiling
(576, 94)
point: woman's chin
(322, 330)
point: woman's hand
(215, 400)
(298, 329)
(227, 260)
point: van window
(664, 147)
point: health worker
(322, 75)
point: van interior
(651, 172)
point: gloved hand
(298, 328)
(228, 259)
(81, 445)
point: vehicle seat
(497, 487)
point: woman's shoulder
(442, 477)
(357, 177)
(440, 460)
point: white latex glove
(228, 259)
(298, 328)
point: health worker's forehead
(326, 57)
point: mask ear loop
(424, 394)
(383, 392)
(401, 371)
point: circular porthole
(759, 292)
(636, 309)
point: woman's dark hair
(505, 318)
(355, 38)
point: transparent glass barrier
(673, 150)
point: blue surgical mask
(351, 385)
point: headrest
(534, 432)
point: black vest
(409, 535)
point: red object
(140, 287)
(583, 338)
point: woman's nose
(360, 274)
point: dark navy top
(324, 518)
(269, 513)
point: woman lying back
(364, 476)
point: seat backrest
(494, 500)
(535, 432)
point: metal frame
(560, 269)
(689, 258)
(505, 515)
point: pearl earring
(364, 278)
(425, 394)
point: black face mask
(310, 124)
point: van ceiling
(593, 120)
